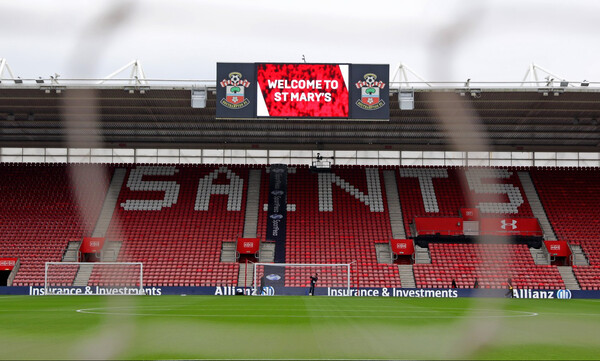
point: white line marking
(413, 313)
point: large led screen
(312, 91)
(302, 90)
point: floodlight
(198, 98)
(40, 81)
(406, 99)
(18, 80)
(476, 93)
(585, 83)
(564, 83)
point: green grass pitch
(242, 327)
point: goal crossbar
(346, 266)
(93, 264)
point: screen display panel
(302, 90)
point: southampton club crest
(369, 92)
(234, 91)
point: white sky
(441, 40)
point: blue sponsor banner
(302, 291)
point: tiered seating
(336, 227)
(588, 277)
(115, 275)
(449, 185)
(62, 275)
(166, 220)
(40, 213)
(490, 264)
(448, 190)
(571, 198)
(179, 239)
(456, 188)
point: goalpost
(334, 275)
(106, 278)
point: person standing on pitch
(262, 284)
(313, 282)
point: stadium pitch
(241, 327)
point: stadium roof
(514, 118)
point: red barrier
(558, 248)
(8, 263)
(469, 214)
(402, 246)
(91, 244)
(444, 226)
(248, 245)
(510, 227)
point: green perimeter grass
(241, 327)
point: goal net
(94, 278)
(295, 278)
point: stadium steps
(72, 252)
(422, 255)
(536, 206)
(13, 273)
(407, 276)
(110, 252)
(394, 207)
(579, 258)
(566, 272)
(384, 253)
(83, 275)
(540, 256)
(252, 203)
(266, 254)
(228, 252)
(110, 201)
(246, 275)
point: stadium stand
(490, 264)
(571, 198)
(39, 214)
(331, 224)
(442, 192)
(61, 275)
(435, 191)
(588, 277)
(166, 219)
(115, 275)
(174, 219)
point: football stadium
(298, 210)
